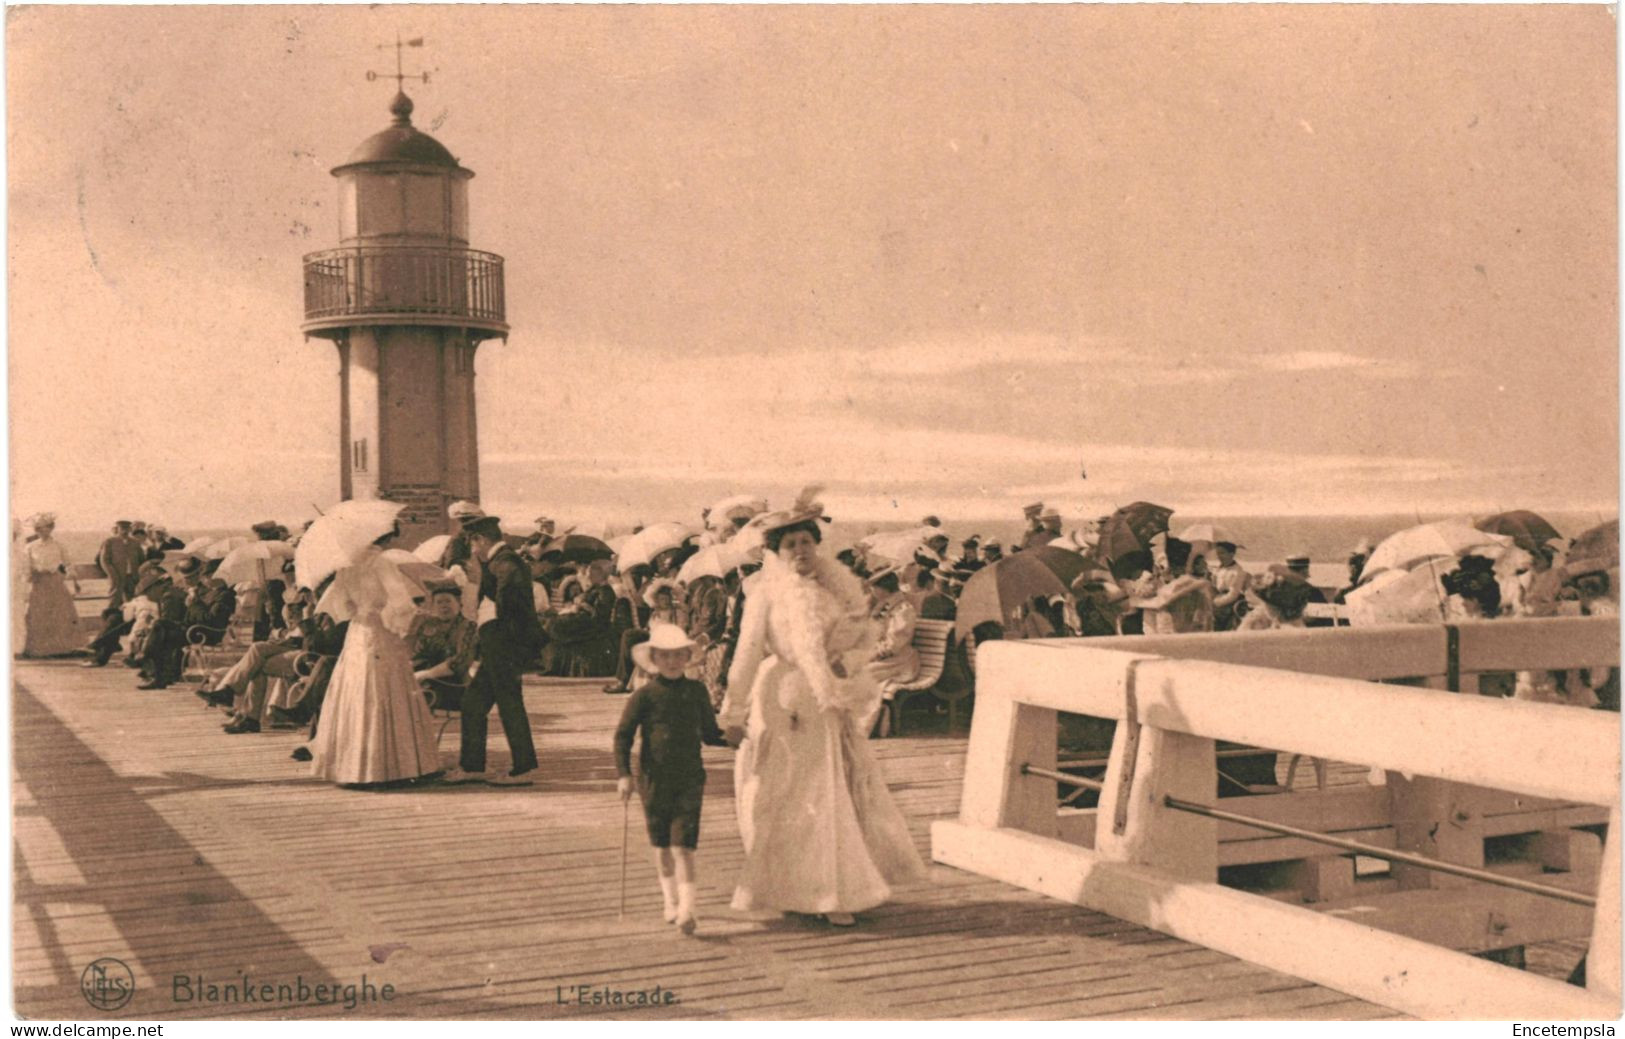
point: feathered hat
(662, 583)
(805, 507)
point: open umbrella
(714, 561)
(254, 563)
(432, 549)
(1528, 531)
(1399, 597)
(642, 547)
(738, 505)
(1131, 528)
(223, 547)
(1595, 550)
(993, 591)
(1211, 533)
(576, 548)
(409, 564)
(338, 538)
(898, 546)
(1441, 539)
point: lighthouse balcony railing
(358, 282)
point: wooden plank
(206, 852)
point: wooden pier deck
(143, 833)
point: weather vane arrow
(399, 76)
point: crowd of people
(775, 647)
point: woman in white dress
(821, 832)
(375, 725)
(52, 623)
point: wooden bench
(931, 639)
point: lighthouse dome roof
(401, 142)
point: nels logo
(107, 984)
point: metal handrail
(404, 279)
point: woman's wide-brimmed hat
(661, 636)
(803, 509)
(658, 585)
(464, 510)
(42, 519)
(883, 573)
(435, 588)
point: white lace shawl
(810, 622)
(374, 585)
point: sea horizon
(1264, 538)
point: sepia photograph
(1104, 512)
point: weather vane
(399, 77)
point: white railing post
(1603, 958)
(1134, 825)
(1004, 736)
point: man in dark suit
(119, 559)
(209, 603)
(161, 659)
(509, 636)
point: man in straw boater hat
(675, 716)
(509, 638)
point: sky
(1238, 260)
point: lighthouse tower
(407, 303)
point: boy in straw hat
(675, 716)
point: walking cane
(626, 808)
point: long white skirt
(375, 725)
(821, 832)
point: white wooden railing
(1157, 866)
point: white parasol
(254, 563)
(410, 564)
(1399, 597)
(1211, 533)
(716, 561)
(733, 507)
(432, 549)
(1445, 538)
(336, 539)
(642, 547)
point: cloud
(1297, 361)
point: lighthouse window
(425, 202)
(379, 199)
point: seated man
(442, 642)
(245, 686)
(160, 656)
(209, 603)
